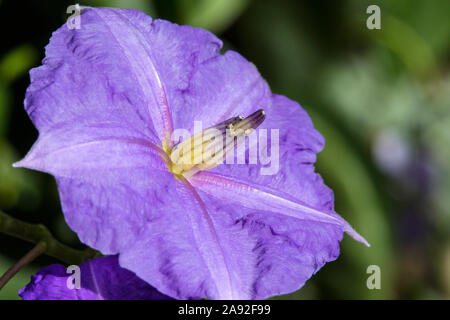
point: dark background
(381, 98)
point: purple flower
(99, 279)
(106, 101)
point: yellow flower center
(209, 148)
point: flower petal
(177, 251)
(93, 151)
(100, 279)
(288, 214)
(119, 65)
(295, 186)
(222, 87)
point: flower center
(209, 148)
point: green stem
(36, 233)
(30, 256)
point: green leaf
(145, 6)
(15, 182)
(16, 62)
(214, 16)
(4, 110)
(359, 202)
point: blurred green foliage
(380, 98)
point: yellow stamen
(209, 148)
